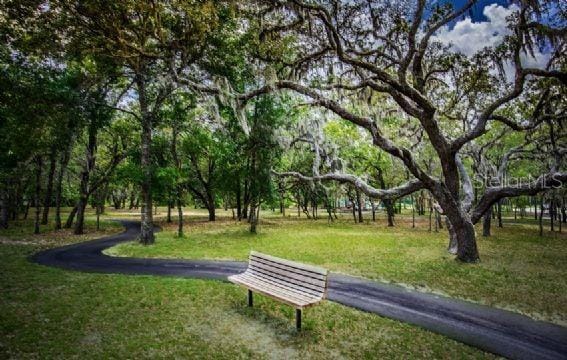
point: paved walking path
(494, 330)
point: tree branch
(493, 194)
(392, 193)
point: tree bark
(552, 213)
(389, 205)
(253, 217)
(85, 177)
(534, 202)
(178, 186)
(541, 216)
(487, 218)
(430, 215)
(65, 156)
(353, 204)
(39, 165)
(246, 199)
(212, 212)
(561, 216)
(463, 230)
(281, 190)
(413, 213)
(439, 222)
(3, 209)
(147, 223)
(499, 214)
(179, 212)
(210, 200)
(169, 206)
(49, 188)
(71, 217)
(238, 196)
(453, 247)
(563, 211)
(132, 200)
(359, 204)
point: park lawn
(53, 313)
(519, 270)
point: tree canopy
(264, 104)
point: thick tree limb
(559, 75)
(493, 194)
(392, 193)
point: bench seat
(290, 282)
(274, 290)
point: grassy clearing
(52, 313)
(519, 271)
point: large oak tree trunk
(463, 230)
(453, 247)
(147, 224)
(462, 227)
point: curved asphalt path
(498, 331)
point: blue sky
(476, 12)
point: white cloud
(468, 37)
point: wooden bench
(290, 282)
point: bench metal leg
(298, 319)
(250, 298)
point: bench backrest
(308, 279)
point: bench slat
(272, 268)
(264, 289)
(285, 285)
(285, 282)
(293, 283)
(305, 270)
(278, 288)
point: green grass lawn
(52, 313)
(519, 270)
